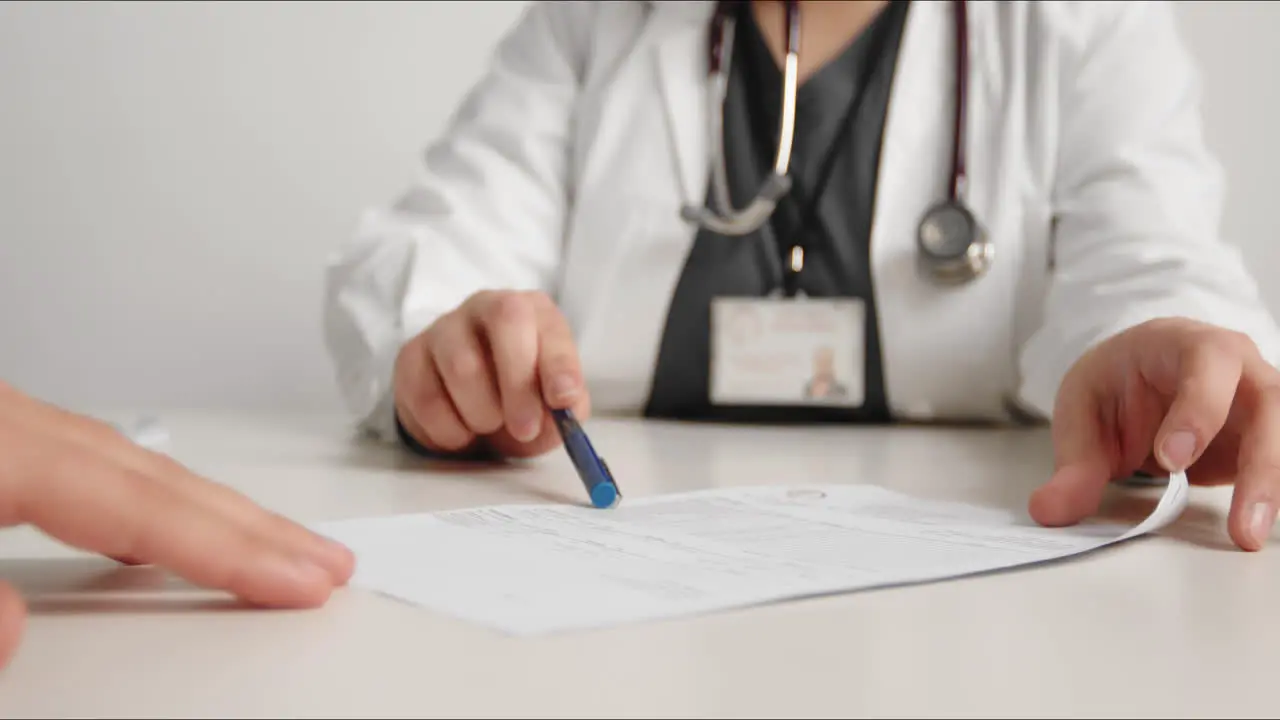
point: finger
(13, 614)
(436, 414)
(267, 526)
(559, 369)
(1257, 492)
(412, 427)
(1208, 375)
(119, 512)
(464, 368)
(510, 329)
(425, 408)
(547, 440)
(1085, 458)
(99, 438)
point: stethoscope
(952, 245)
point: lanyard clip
(791, 277)
(797, 259)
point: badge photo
(787, 352)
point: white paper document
(532, 569)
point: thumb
(1084, 461)
(13, 614)
(1208, 376)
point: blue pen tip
(604, 496)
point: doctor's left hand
(1169, 395)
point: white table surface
(1176, 625)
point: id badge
(797, 352)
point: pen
(590, 466)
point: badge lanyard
(786, 268)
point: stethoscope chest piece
(953, 246)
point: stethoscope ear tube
(746, 220)
(727, 220)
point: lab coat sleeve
(486, 211)
(1137, 196)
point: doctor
(975, 211)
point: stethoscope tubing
(727, 220)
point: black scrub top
(840, 113)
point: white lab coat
(566, 166)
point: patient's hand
(90, 487)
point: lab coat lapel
(656, 161)
(915, 151)
(682, 66)
(918, 319)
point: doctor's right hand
(488, 373)
(85, 484)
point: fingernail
(1178, 450)
(563, 387)
(336, 555)
(1262, 518)
(299, 571)
(336, 548)
(526, 429)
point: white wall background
(173, 175)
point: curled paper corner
(1174, 500)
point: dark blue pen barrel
(595, 474)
